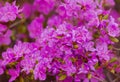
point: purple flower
(9, 12)
(81, 34)
(71, 37)
(83, 70)
(20, 49)
(36, 27)
(102, 50)
(4, 35)
(27, 64)
(14, 73)
(8, 56)
(113, 29)
(44, 6)
(68, 66)
(40, 72)
(27, 10)
(89, 46)
(86, 4)
(29, 61)
(54, 21)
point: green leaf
(113, 60)
(114, 39)
(106, 17)
(89, 76)
(96, 35)
(75, 45)
(112, 71)
(21, 79)
(110, 47)
(62, 77)
(73, 59)
(96, 65)
(12, 64)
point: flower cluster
(73, 41)
(8, 12)
(4, 35)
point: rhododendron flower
(70, 40)
(35, 28)
(113, 29)
(40, 72)
(14, 73)
(44, 6)
(9, 12)
(4, 35)
(27, 10)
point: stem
(13, 25)
(16, 23)
(116, 48)
(115, 80)
(99, 79)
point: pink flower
(113, 29)
(44, 6)
(9, 12)
(40, 72)
(36, 27)
(28, 10)
(14, 73)
(4, 35)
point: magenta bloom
(27, 10)
(14, 73)
(67, 39)
(44, 6)
(4, 35)
(35, 28)
(40, 72)
(112, 28)
(9, 12)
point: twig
(12, 25)
(116, 48)
(16, 23)
(109, 77)
(99, 79)
(115, 79)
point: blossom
(68, 67)
(72, 38)
(44, 6)
(20, 49)
(81, 34)
(14, 73)
(112, 28)
(27, 10)
(8, 56)
(9, 12)
(89, 46)
(102, 50)
(35, 28)
(5, 35)
(30, 61)
(40, 72)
